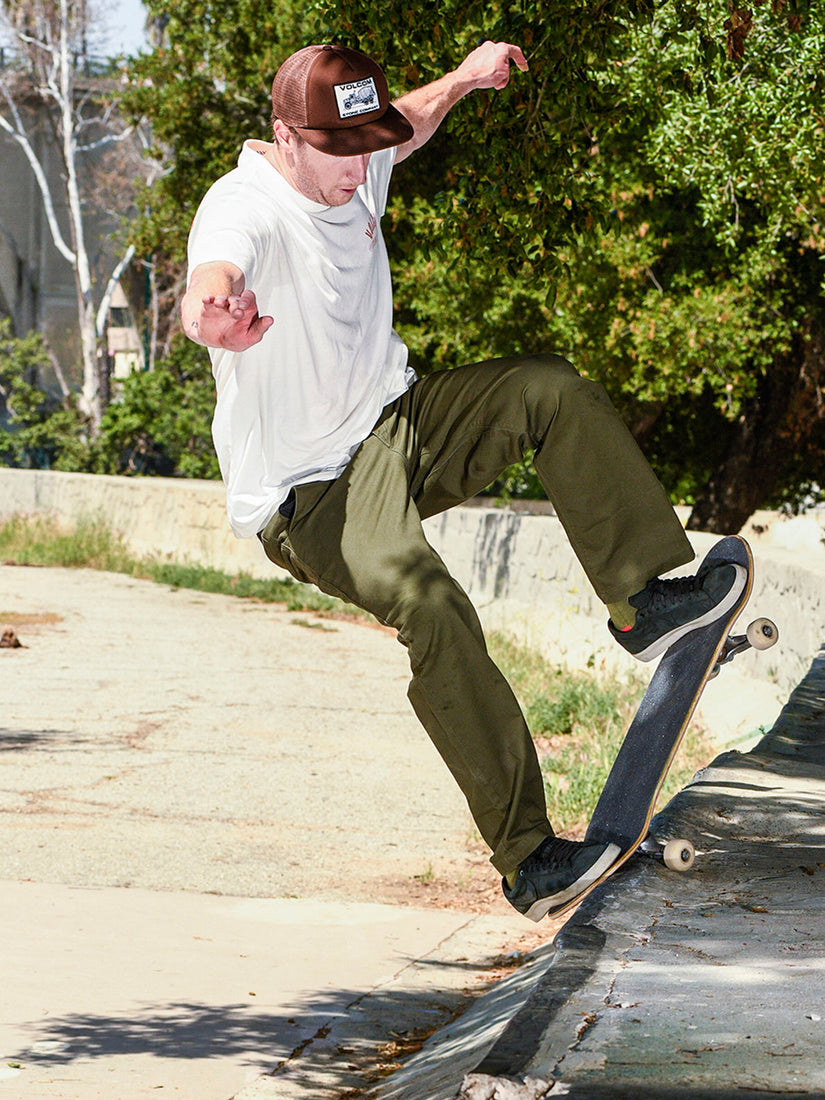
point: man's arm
(218, 312)
(488, 66)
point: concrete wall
(517, 568)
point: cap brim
(351, 141)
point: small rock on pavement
(479, 1086)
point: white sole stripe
(539, 909)
(716, 612)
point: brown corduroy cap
(338, 100)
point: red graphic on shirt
(370, 231)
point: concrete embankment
(705, 985)
(517, 568)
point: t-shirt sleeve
(225, 229)
(379, 174)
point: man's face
(331, 181)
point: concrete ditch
(707, 984)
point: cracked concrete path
(222, 831)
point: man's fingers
(510, 53)
(231, 321)
(246, 299)
(219, 301)
(517, 55)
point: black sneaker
(555, 873)
(667, 610)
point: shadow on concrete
(17, 740)
(187, 1030)
(178, 1030)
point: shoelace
(554, 850)
(664, 592)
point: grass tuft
(39, 540)
(578, 720)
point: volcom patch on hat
(358, 98)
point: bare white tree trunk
(48, 36)
(154, 311)
(63, 91)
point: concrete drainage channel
(707, 984)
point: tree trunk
(779, 424)
(90, 395)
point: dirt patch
(137, 738)
(31, 619)
(471, 887)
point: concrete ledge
(701, 985)
(182, 520)
(518, 569)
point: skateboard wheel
(762, 633)
(679, 855)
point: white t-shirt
(294, 407)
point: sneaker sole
(655, 649)
(539, 909)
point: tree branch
(109, 139)
(18, 134)
(103, 309)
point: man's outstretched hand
(229, 321)
(488, 66)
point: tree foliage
(510, 174)
(160, 422)
(710, 298)
(647, 199)
(37, 429)
(675, 250)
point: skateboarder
(333, 452)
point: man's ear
(281, 133)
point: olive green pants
(360, 538)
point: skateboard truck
(760, 634)
(678, 854)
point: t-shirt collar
(252, 158)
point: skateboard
(625, 807)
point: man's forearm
(426, 107)
(488, 66)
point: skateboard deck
(625, 807)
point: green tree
(160, 422)
(37, 429)
(647, 199)
(667, 232)
(509, 172)
(704, 314)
